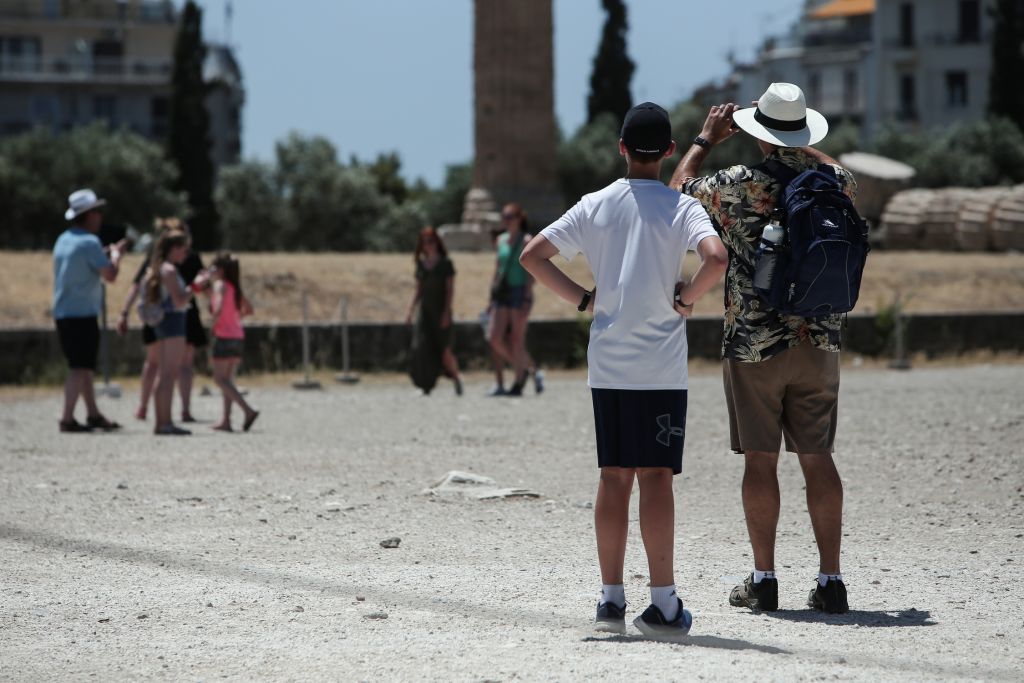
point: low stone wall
(33, 355)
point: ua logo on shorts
(664, 436)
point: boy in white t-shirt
(634, 234)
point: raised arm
(536, 259)
(717, 128)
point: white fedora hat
(782, 118)
(81, 201)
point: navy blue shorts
(640, 428)
(173, 325)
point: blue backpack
(816, 269)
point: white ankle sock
(823, 578)
(760, 576)
(614, 593)
(665, 599)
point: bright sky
(376, 76)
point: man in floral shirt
(781, 372)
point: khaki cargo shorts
(794, 394)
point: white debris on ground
(475, 486)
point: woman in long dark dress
(432, 334)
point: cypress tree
(189, 139)
(1006, 97)
(613, 69)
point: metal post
(346, 377)
(900, 361)
(108, 389)
(306, 382)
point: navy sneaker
(610, 618)
(830, 598)
(652, 623)
(763, 596)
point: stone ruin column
(514, 111)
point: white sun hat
(782, 118)
(81, 201)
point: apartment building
(934, 58)
(65, 63)
(917, 64)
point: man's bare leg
(825, 505)
(657, 522)
(761, 505)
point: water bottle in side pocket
(769, 257)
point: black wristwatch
(702, 142)
(586, 301)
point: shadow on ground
(870, 619)
(691, 641)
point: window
(907, 24)
(45, 109)
(19, 54)
(969, 28)
(106, 56)
(814, 88)
(908, 97)
(851, 99)
(105, 107)
(956, 89)
(51, 9)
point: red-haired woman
(432, 333)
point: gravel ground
(258, 555)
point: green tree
(189, 138)
(252, 212)
(1006, 97)
(329, 206)
(613, 69)
(590, 159)
(446, 203)
(39, 169)
(989, 152)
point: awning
(844, 8)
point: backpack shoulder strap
(782, 174)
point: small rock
(390, 542)
(333, 507)
(122, 486)
(292, 537)
(263, 520)
(299, 608)
(143, 616)
(360, 598)
(376, 615)
(104, 620)
(209, 604)
(876, 582)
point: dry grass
(379, 286)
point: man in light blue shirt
(80, 262)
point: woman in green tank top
(511, 301)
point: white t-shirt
(634, 234)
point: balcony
(847, 36)
(84, 69)
(144, 12)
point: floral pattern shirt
(740, 201)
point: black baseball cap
(647, 129)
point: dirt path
(258, 555)
(381, 285)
